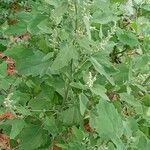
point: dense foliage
(75, 74)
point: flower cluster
(110, 34)
(91, 80)
(8, 102)
(142, 78)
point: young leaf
(83, 103)
(87, 26)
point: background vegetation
(75, 74)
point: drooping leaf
(101, 70)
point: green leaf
(3, 68)
(20, 97)
(50, 125)
(32, 137)
(78, 85)
(64, 57)
(141, 63)
(19, 28)
(130, 126)
(34, 65)
(44, 27)
(101, 70)
(108, 123)
(78, 134)
(59, 12)
(43, 45)
(24, 16)
(48, 56)
(71, 116)
(132, 102)
(85, 45)
(83, 103)
(122, 74)
(19, 52)
(129, 99)
(55, 3)
(146, 7)
(146, 100)
(17, 126)
(104, 17)
(100, 90)
(117, 141)
(143, 143)
(118, 1)
(33, 25)
(24, 111)
(142, 88)
(127, 38)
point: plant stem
(146, 80)
(67, 87)
(76, 15)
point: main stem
(67, 87)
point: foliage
(75, 74)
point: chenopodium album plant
(75, 75)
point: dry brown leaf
(5, 142)
(2, 55)
(87, 127)
(10, 66)
(7, 116)
(15, 39)
(12, 21)
(54, 146)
